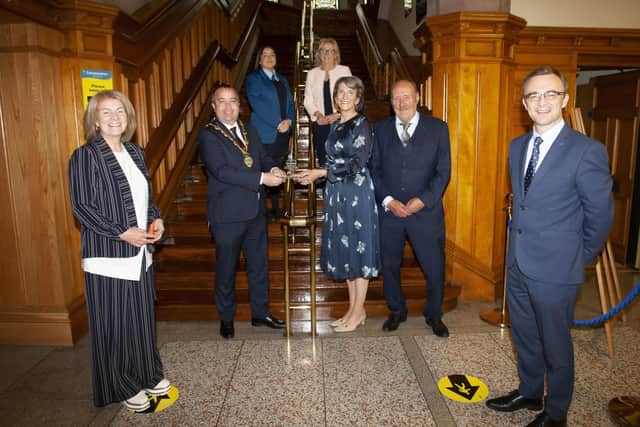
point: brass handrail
(291, 220)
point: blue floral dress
(350, 241)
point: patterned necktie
(405, 137)
(533, 162)
(234, 133)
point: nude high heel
(337, 322)
(345, 327)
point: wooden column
(43, 47)
(473, 90)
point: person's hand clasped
(138, 237)
(398, 208)
(284, 126)
(274, 178)
(307, 176)
(332, 118)
(158, 229)
(415, 205)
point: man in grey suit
(562, 213)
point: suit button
(402, 188)
(519, 230)
(523, 208)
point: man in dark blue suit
(237, 170)
(562, 213)
(411, 165)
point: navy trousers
(250, 237)
(428, 245)
(541, 316)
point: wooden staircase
(185, 265)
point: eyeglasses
(550, 95)
(327, 50)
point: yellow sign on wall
(94, 81)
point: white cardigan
(313, 99)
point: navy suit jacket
(265, 104)
(562, 222)
(235, 193)
(101, 199)
(422, 169)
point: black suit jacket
(235, 193)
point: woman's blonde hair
(333, 43)
(91, 131)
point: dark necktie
(405, 137)
(533, 162)
(235, 136)
(274, 78)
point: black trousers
(320, 134)
(278, 151)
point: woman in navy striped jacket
(111, 198)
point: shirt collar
(414, 120)
(550, 135)
(269, 74)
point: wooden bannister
(169, 77)
(383, 72)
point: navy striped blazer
(101, 199)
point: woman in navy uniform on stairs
(272, 112)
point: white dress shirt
(547, 141)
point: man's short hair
(545, 70)
(223, 86)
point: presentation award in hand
(291, 165)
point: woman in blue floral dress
(350, 242)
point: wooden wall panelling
(42, 109)
(472, 65)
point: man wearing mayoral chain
(238, 169)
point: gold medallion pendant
(248, 161)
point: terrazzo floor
(367, 377)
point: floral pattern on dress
(350, 236)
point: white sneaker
(137, 403)
(161, 388)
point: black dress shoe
(437, 327)
(514, 401)
(226, 329)
(544, 420)
(269, 321)
(393, 321)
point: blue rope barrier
(634, 293)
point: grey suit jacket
(563, 221)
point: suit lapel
(522, 158)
